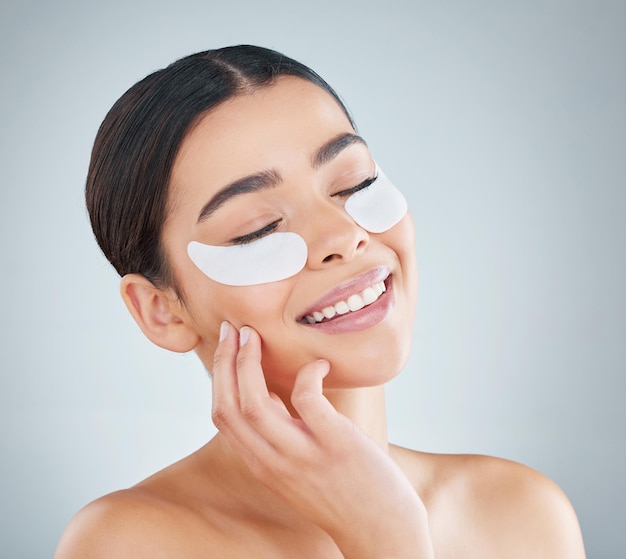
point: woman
(250, 223)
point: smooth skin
(301, 465)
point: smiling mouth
(352, 303)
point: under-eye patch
(275, 257)
(378, 207)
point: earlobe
(154, 311)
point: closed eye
(250, 237)
(350, 191)
(271, 227)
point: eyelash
(350, 191)
(271, 227)
(244, 239)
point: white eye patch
(275, 257)
(280, 255)
(378, 207)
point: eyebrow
(271, 178)
(245, 185)
(334, 147)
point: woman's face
(295, 133)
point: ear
(158, 314)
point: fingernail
(223, 331)
(244, 334)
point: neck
(365, 407)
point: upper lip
(350, 287)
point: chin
(371, 364)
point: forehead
(275, 126)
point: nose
(332, 236)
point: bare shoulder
(502, 508)
(132, 523)
(525, 513)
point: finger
(224, 389)
(309, 401)
(268, 438)
(279, 402)
(252, 385)
(264, 411)
(226, 413)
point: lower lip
(365, 318)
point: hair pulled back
(137, 143)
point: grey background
(503, 122)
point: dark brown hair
(137, 143)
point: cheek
(401, 240)
(257, 306)
(408, 257)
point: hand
(321, 465)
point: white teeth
(369, 296)
(353, 303)
(329, 312)
(342, 307)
